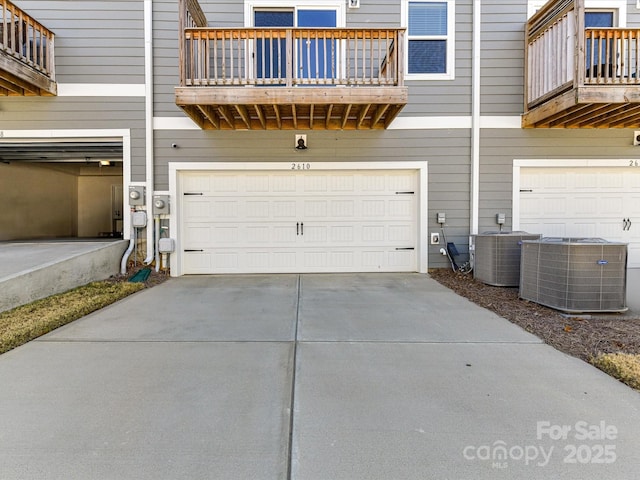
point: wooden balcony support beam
(595, 115)
(287, 108)
(276, 110)
(620, 120)
(327, 118)
(261, 117)
(378, 115)
(345, 116)
(363, 114)
(227, 116)
(210, 115)
(244, 115)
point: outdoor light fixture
(301, 142)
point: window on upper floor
(616, 8)
(430, 39)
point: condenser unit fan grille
(497, 257)
(575, 275)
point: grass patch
(623, 366)
(22, 324)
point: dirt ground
(584, 336)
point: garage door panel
(254, 222)
(582, 202)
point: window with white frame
(430, 49)
(619, 7)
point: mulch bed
(585, 336)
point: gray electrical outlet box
(166, 245)
(139, 219)
(160, 204)
(500, 218)
(441, 218)
(136, 195)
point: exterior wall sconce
(301, 142)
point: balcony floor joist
(299, 108)
(593, 106)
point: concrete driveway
(308, 377)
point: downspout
(157, 241)
(148, 100)
(475, 123)
(132, 240)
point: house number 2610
(634, 163)
(300, 166)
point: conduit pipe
(157, 241)
(132, 241)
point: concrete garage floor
(308, 377)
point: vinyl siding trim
(400, 123)
(101, 90)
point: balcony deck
(26, 54)
(288, 78)
(569, 84)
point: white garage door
(583, 202)
(299, 221)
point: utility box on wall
(161, 204)
(136, 195)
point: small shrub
(625, 367)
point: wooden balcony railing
(26, 54)
(311, 78)
(577, 76)
(291, 57)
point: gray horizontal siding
(447, 151)
(79, 113)
(448, 97)
(96, 41)
(498, 149)
(166, 69)
(502, 57)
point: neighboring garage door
(583, 202)
(299, 221)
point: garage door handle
(301, 228)
(405, 193)
(626, 224)
(297, 228)
(193, 250)
(192, 193)
(405, 248)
